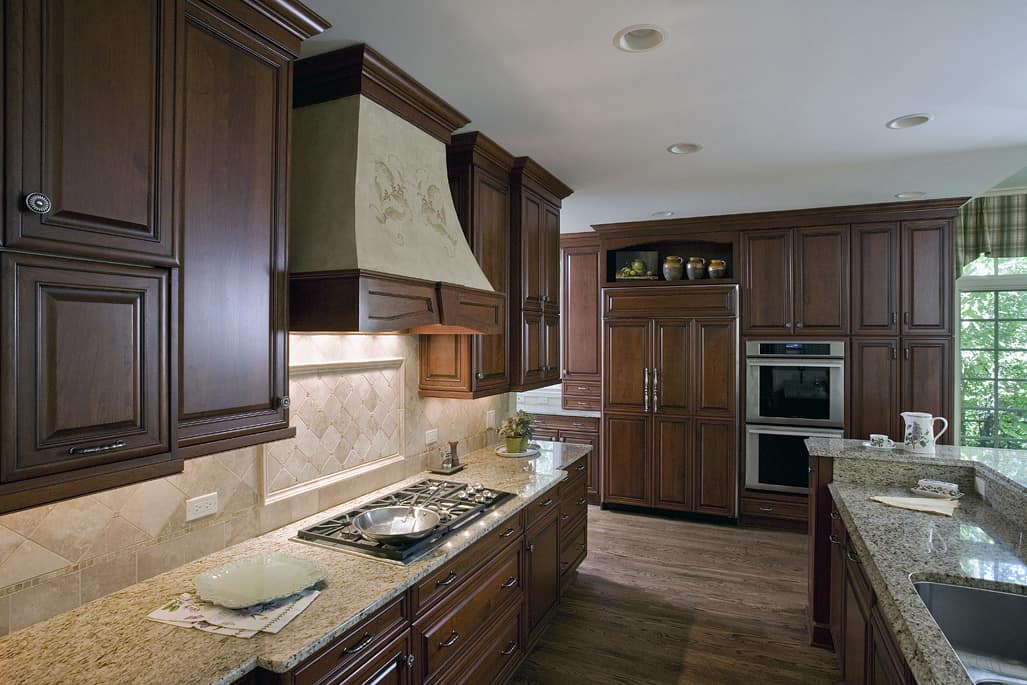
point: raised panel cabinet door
(875, 279)
(445, 363)
(927, 275)
(674, 469)
(551, 256)
(591, 439)
(89, 134)
(389, 666)
(532, 266)
(626, 467)
(837, 585)
(875, 387)
(927, 370)
(233, 112)
(716, 467)
(85, 381)
(582, 353)
(673, 376)
(887, 667)
(822, 279)
(628, 367)
(533, 348)
(551, 369)
(542, 559)
(855, 652)
(716, 365)
(491, 245)
(767, 281)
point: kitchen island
(111, 641)
(888, 549)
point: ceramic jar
(696, 268)
(717, 268)
(673, 268)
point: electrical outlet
(431, 437)
(198, 507)
(490, 419)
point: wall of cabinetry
(172, 342)
(582, 322)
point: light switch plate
(431, 436)
(490, 419)
(198, 507)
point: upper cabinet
(472, 366)
(582, 348)
(534, 298)
(875, 285)
(89, 128)
(796, 281)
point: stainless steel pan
(396, 525)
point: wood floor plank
(663, 601)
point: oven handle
(798, 361)
(809, 433)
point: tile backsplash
(56, 557)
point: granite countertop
(110, 640)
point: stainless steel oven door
(795, 392)
(776, 458)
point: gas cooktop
(458, 504)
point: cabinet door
(716, 364)
(532, 266)
(551, 365)
(85, 377)
(875, 387)
(490, 241)
(767, 282)
(582, 358)
(856, 629)
(837, 539)
(542, 561)
(875, 279)
(234, 116)
(716, 467)
(927, 275)
(822, 279)
(674, 470)
(886, 667)
(89, 127)
(927, 369)
(551, 256)
(533, 347)
(672, 375)
(626, 472)
(591, 439)
(388, 667)
(627, 364)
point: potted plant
(517, 431)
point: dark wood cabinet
(796, 281)
(89, 128)
(716, 467)
(927, 276)
(473, 366)
(926, 379)
(234, 93)
(542, 570)
(626, 459)
(581, 336)
(86, 368)
(627, 360)
(875, 281)
(390, 666)
(716, 367)
(534, 298)
(673, 381)
(856, 632)
(674, 474)
(581, 430)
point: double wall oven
(794, 390)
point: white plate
(256, 580)
(934, 495)
(874, 447)
(533, 451)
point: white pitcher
(920, 435)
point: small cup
(880, 440)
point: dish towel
(931, 506)
(189, 611)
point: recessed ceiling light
(684, 148)
(910, 120)
(639, 37)
(662, 215)
(910, 195)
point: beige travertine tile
(28, 561)
(277, 514)
(107, 577)
(122, 534)
(9, 541)
(5, 615)
(165, 556)
(72, 527)
(45, 600)
(151, 506)
(241, 528)
(24, 522)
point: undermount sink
(985, 627)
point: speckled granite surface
(982, 544)
(110, 640)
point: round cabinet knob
(788, 325)
(410, 660)
(38, 203)
(798, 325)
(284, 402)
(480, 376)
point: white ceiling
(789, 97)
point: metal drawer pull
(564, 517)
(78, 451)
(453, 637)
(531, 547)
(510, 649)
(835, 515)
(547, 502)
(582, 502)
(834, 539)
(360, 646)
(38, 203)
(564, 565)
(410, 660)
(579, 424)
(448, 581)
(582, 545)
(766, 508)
(583, 388)
(582, 467)
(852, 557)
(507, 533)
(509, 583)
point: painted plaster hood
(375, 244)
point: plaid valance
(995, 226)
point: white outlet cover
(490, 419)
(199, 507)
(431, 436)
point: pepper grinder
(454, 460)
(450, 461)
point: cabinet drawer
(357, 645)
(548, 503)
(497, 653)
(755, 507)
(573, 547)
(584, 424)
(573, 498)
(451, 575)
(449, 630)
(670, 301)
(579, 467)
(581, 388)
(582, 403)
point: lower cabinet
(542, 570)
(390, 666)
(580, 430)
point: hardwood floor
(661, 601)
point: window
(992, 341)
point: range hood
(375, 245)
